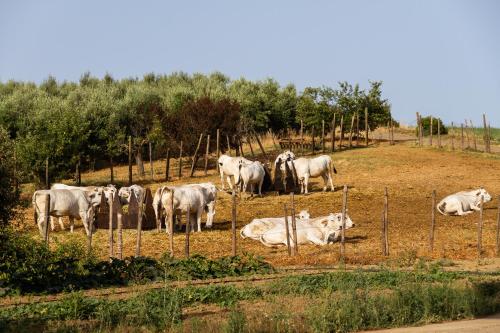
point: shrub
(9, 196)
(426, 125)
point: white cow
(73, 203)
(124, 194)
(250, 174)
(108, 191)
(257, 227)
(463, 203)
(228, 166)
(314, 167)
(193, 196)
(210, 198)
(319, 231)
(287, 155)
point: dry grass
(410, 174)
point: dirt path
(489, 324)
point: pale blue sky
(436, 57)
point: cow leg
(39, 222)
(71, 223)
(251, 190)
(325, 180)
(306, 183)
(316, 240)
(198, 218)
(52, 223)
(330, 180)
(61, 223)
(229, 181)
(260, 187)
(222, 177)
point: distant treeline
(91, 120)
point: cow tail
(332, 167)
(441, 208)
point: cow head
(237, 179)
(304, 215)
(335, 221)
(482, 192)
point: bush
(9, 196)
(426, 125)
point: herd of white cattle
(239, 173)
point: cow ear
(478, 193)
(324, 223)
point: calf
(463, 203)
(228, 166)
(125, 192)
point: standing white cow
(207, 190)
(193, 196)
(314, 167)
(228, 166)
(250, 174)
(319, 231)
(73, 203)
(463, 203)
(108, 191)
(125, 192)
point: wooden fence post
(111, 171)
(151, 161)
(294, 225)
(431, 130)
(473, 132)
(333, 132)
(301, 137)
(139, 229)
(47, 174)
(480, 229)
(366, 126)
(249, 141)
(351, 130)
(421, 131)
(439, 133)
(47, 219)
(180, 161)
(452, 136)
(110, 226)
(287, 232)
(485, 135)
(433, 221)
(323, 136)
(233, 222)
(344, 212)
(260, 146)
(217, 142)
(498, 229)
(357, 128)
(462, 133)
(195, 156)
(167, 166)
(207, 151)
(417, 129)
(188, 231)
(313, 143)
(467, 134)
(129, 160)
(171, 223)
(341, 131)
(119, 222)
(228, 152)
(385, 226)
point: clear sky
(435, 57)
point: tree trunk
(139, 162)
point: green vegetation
(89, 122)
(28, 266)
(9, 195)
(372, 300)
(436, 122)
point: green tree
(9, 196)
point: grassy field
(328, 302)
(410, 174)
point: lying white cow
(73, 203)
(311, 168)
(108, 191)
(319, 231)
(257, 227)
(229, 166)
(192, 196)
(125, 192)
(207, 190)
(250, 174)
(463, 203)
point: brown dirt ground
(409, 172)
